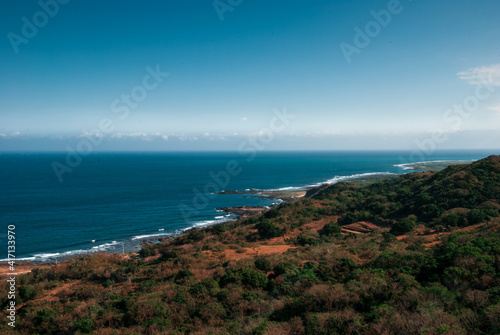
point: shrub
(246, 276)
(169, 255)
(253, 278)
(348, 218)
(146, 252)
(183, 276)
(27, 292)
(267, 229)
(331, 229)
(308, 238)
(220, 228)
(452, 220)
(84, 325)
(404, 226)
(285, 268)
(476, 216)
(263, 264)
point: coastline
(286, 194)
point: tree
(331, 229)
(404, 226)
(267, 229)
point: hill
(418, 254)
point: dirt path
(20, 268)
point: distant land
(309, 191)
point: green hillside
(418, 254)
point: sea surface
(113, 201)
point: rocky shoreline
(244, 211)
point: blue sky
(231, 64)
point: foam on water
(55, 255)
(333, 180)
(409, 166)
(143, 237)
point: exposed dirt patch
(316, 225)
(52, 294)
(21, 268)
(262, 250)
(152, 258)
(361, 227)
(434, 238)
(349, 231)
(311, 226)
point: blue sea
(113, 201)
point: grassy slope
(285, 272)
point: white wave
(333, 180)
(218, 219)
(75, 252)
(289, 188)
(58, 255)
(106, 245)
(141, 237)
(337, 179)
(409, 166)
(47, 255)
(204, 223)
(17, 259)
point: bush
(285, 268)
(169, 255)
(348, 218)
(476, 216)
(267, 229)
(146, 252)
(220, 228)
(308, 238)
(246, 276)
(263, 264)
(253, 278)
(27, 292)
(331, 229)
(404, 226)
(183, 276)
(452, 220)
(84, 325)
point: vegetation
(418, 254)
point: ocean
(113, 201)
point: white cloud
(482, 75)
(244, 118)
(89, 134)
(140, 135)
(495, 108)
(165, 137)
